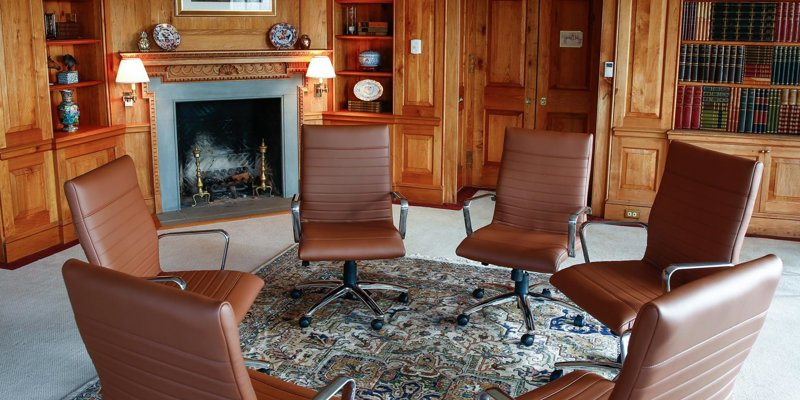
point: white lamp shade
(131, 70)
(320, 67)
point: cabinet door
(636, 166)
(781, 183)
(417, 159)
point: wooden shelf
(87, 131)
(384, 74)
(732, 43)
(740, 85)
(363, 37)
(54, 88)
(365, 1)
(67, 42)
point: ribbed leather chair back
(112, 221)
(150, 341)
(544, 177)
(345, 174)
(691, 342)
(702, 208)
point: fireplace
(226, 121)
(224, 139)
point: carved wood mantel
(201, 66)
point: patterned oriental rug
(421, 353)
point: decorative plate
(282, 35)
(368, 90)
(166, 37)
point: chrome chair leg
(369, 285)
(522, 302)
(333, 295)
(318, 285)
(494, 301)
(366, 299)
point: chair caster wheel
(485, 264)
(579, 320)
(306, 263)
(296, 293)
(350, 296)
(478, 293)
(305, 322)
(556, 374)
(547, 292)
(526, 340)
(462, 320)
(403, 297)
(376, 324)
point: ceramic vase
(369, 59)
(68, 112)
(305, 42)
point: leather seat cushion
(341, 241)
(271, 388)
(612, 292)
(509, 246)
(575, 385)
(238, 288)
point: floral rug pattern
(421, 353)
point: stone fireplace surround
(220, 75)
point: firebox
(221, 140)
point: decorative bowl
(369, 59)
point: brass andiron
(263, 187)
(200, 191)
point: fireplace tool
(263, 187)
(201, 193)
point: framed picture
(226, 7)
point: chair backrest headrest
(151, 341)
(702, 208)
(544, 177)
(690, 343)
(112, 221)
(346, 173)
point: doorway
(529, 64)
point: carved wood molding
(203, 66)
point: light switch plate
(416, 46)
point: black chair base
(349, 285)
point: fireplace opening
(223, 139)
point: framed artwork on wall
(225, 7)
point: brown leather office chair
(687, 344)
(150, 341)
(346, 210)
(541, 195)
(699, 216)
(117, 231)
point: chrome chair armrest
(344, 384)
(494, 394)
(572, 227)
(467, 203)
(257, 365)
(205, 232)
(403, 213)
(296, 228)
(666, 273)
(617, 223)
(174, 279)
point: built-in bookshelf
(739, 67)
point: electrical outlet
(631, 213)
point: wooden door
(499, 49)
(568, 65)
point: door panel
(569, 47)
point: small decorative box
(67, 77)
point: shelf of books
(739, 67)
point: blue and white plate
(166, 37)
(368, 90)
(282, 35)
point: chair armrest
(257, 365)
(205, 232)
(617, 223)
(174, 279)
(344, 384)
(666, 273)
(403, 213)
(572, 227)
(494, 394)
(296, 228)
(467, 203)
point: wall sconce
(131, 70)
(320, 67)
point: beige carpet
(43, 357)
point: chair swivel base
(522, 295)
(351, 286)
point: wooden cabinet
(777, 209)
